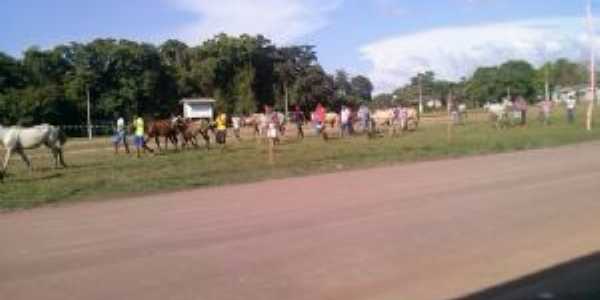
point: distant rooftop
(198, 100)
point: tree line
(128, 78)
(242, 73)
(492, 83)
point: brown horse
(191, 129)
(163, 128)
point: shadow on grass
(578, 279)
(34, 178)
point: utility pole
(546, 84)
(285, 89)
(590, 110)
(420, 95)
(89, 114)
(451, 116)
(450, 102)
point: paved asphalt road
(433, 230)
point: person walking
(365, 117)
(345, 120)
(522, 107)
(138, 138)
(546, 109)
(571, 104)
(319, 118)
(454, 113)
(236, 124)
(221, 126)
(298, 119)
(121, 136)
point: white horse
(499, 112)
(18, 139)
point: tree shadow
(578, 279)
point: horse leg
(175, 141)
(157, 141)
(206, 138)
(145, 145)
(54, 155)
(61, 157)
(6, 160)
(194, 141)
(52, 163)
(21, 153)
(184, 142)
(57, 155)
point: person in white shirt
(365, 117)
(571, 103)
(120, 136)
(236, 124)
(345, 120)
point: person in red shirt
(319, 116)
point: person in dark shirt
(298, 119)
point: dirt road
(434, 230)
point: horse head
(180, 124)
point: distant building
(202, 108)
(579, 93)
(434, 104)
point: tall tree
(174, 53)
(362, 88)
(11, 73)
(517, 76)
(312, 87)
(126, 77)
(292, 62)
(484, 86)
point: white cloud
(283, 21)
(454, 52)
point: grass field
(95, 173)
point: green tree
(11, 73)
(292, 62)
(517, 76)
(484, 86)
(362, 88)
(383, 100)
(314, 86)
(126, 77)
(244, 93)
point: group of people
(274, 127)
(138, 127)
(546, 106)
(271, 125)
(515, 110)
(121, 131)
(347, 119)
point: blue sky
(389, 40)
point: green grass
(96, 174)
